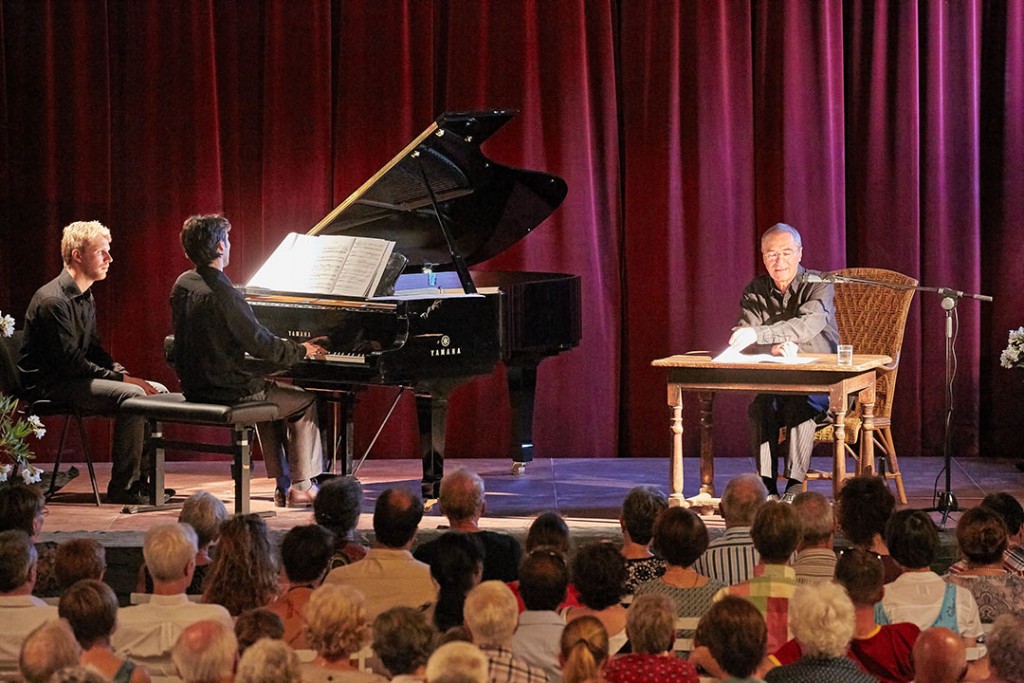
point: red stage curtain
(890, 133)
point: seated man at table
(782, 313)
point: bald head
(462, 495)
(206, 651)
(743, 497)
(939, 656)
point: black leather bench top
(174, 408)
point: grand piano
(447, 207)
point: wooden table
(698, 373)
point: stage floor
(587, 492)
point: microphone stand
(946, 501)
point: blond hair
(336, 624)
(584, 649)
(77, 235)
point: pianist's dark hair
(200, 236)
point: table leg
(867, 452)
(707, 442)
(839, 438)
(676, 498)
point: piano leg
(432, 412)
(336, 433)
(522, 389)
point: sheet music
(735, 355)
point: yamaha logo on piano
(446, 348)
(299, 334)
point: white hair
(269, 661)
(459, 659)
(822, 619)
(167, 550)
(491, 613)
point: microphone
(816, 276)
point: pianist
(214, 328)
(785, 314)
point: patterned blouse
(642, 570)
(995, 594)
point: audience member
(491, 615)
(77, 559)
(1010, 511)
(389, 576)
(548, 533)
(815, 557)
(639, 510)
(457, 662)
(1006, 649)
(336, 628)
(305, 553)
(776, 533)
(206, 652)
(337, 508)
(939, 656)
(863, 508)
(269, 661)
(543, 578)
(20, 611)
(919, 595)
(49, 648)
(730, 641)
(147, 633)
(600, 573)
(243, 575)
(982, 537)
(205, 513)
(650, 624)
(255, 624)
(822, 620)
(583, 651)
(463, 502)
(77, 674)
(403, 640)
(23, 507)
(680, 537)
(731, 557)
(458, 567)
(90, 608)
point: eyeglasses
(776, 255)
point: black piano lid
(487, 207)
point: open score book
(338, 265)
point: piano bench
(241, 418)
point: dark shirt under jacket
(214, 327)
(61, 342)
(805, 313)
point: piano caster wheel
(518, 468)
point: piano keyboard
(344, 358)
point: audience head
(337, 506)
(205, 651)
(458, 662)
(306, 553)
(735, 634)
(79, 558)
(491, 613)
(912, 538)
(775, 532)
(743, 497)
(543, 580)
(78, 235)
(17, 560)
(939, 656)
(1008, 508)
(46, 650)
(170, 552)
(680, 536)
(254, 624)
(396, 517)
(403, 639)
(90, 608)
(78, 674)
(982, 537)
(457, 567)
(22, 507)
(651, 624)
(336, 623)
(244, 572)
(462, 496)
(817, 524)
(204, 512)
(583, 650)
(200, 236)
(599, 574)
(864, 506)
(862, 574)
(822, 619)
(1005, 644)
(269, 661)
(549, 531)
(640, 508)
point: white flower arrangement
(15, 428)
(1013, 355)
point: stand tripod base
(947, 502)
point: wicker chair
(873, 319)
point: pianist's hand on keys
(313, 348)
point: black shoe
(280, 499)
(128, 497)
(142, 487)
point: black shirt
(61, 341)
(805, 314)
(501, 555)
(214, 327)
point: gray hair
(782, 228)
(817, 523)
(167, 549)
(1006, 647)
(651, 623)
(17, 555)
(336, 622)
(269, 661)
(743, 497)
(459, 661)
(204, 512)
(461, 495)
(205, 651)
(822, 619)
(491, 613)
